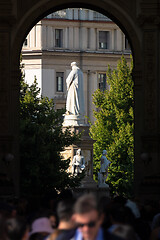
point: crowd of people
(64, 217)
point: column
(112, 42)
(66, 36)
(119, 40)
(90, 15)
(32, 37)
(82, 14)
(115, 39)
(86, 86)
(44, 37)
(92, 89)
(49, 43)
(69, 13)
(9, 94)
(53, 34)
(70, 37)
(83, 37)
(38, 35)
(76, 38)
(75, 11)
(92, 39)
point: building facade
(75, 34)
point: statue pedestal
(73, 120)
(88, 185)
(86, 146)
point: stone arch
(119, 12)
(116, 12)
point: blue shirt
(78, 235)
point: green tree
(114, 126)
(41, 141)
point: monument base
(73, 120)
(95, 190)
(88, 182)
(103, 185)
(88, 185)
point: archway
(114, 11)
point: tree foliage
(114, 126)
(42, 139)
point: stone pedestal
(88, 185)
(73, 120)
(86, 145)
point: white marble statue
(103, 173)
(78, 163)
(75, 92)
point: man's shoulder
(66, 234)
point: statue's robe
(75, 94)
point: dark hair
(37, 236)
(65, 209)
(85, 204)
(122, 214)
(15, 228)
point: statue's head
(73, 64)
(104, 152)
(79, 151)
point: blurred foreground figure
(89, 220)
(126, 232)
(155, 234)
(41, 228)
(15, 229)
(66, 226)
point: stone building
(140, 22)
(75, 34)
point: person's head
(156, 221)
(79, 151)
(120, 214)
(87, 216)
(7, 210)
(104, 152)
(73, 64)
(66, 194)
(53, 219)
(16, 229)
(65, 213)
(40, 228)
(125, 232)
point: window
(59, 78)
(102, 81)
(58, 37)
(103, 39)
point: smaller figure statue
(78, 163)
(103, 173)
